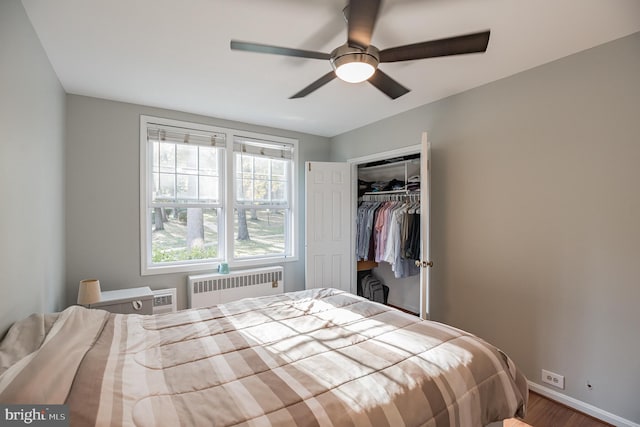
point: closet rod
(368, 193)
(391, 196)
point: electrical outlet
(553, 379)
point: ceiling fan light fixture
(355, 72)
(353, 65)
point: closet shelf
(395, 164)
(366, 265)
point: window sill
(213, 266)
(260, 262)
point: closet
(332, 195)
(388, 228)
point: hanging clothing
(364, 230)
(389, 232)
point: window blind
(262, 148)
(163, 133)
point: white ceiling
(175, 53)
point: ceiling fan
(357, 60)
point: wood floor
(542, 412)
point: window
(194, 215)
(262, 172)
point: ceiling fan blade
(276, 50)
(361, 19)
(315, 85)
(386, 84)
(470, 43)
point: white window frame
(292, 240)
(226, 224)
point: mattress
(318, 357)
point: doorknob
(424, 264)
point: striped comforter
(319, 357)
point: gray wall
(103, 196)
(536, 216)
(535, 230)
(31, 172)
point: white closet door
(425, 199)
(328, 227)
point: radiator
(205, 290)
(164, 301)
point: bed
(318, 357)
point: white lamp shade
(355, 72)
(89, 292)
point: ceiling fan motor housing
(346, 54)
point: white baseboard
(581, 406)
